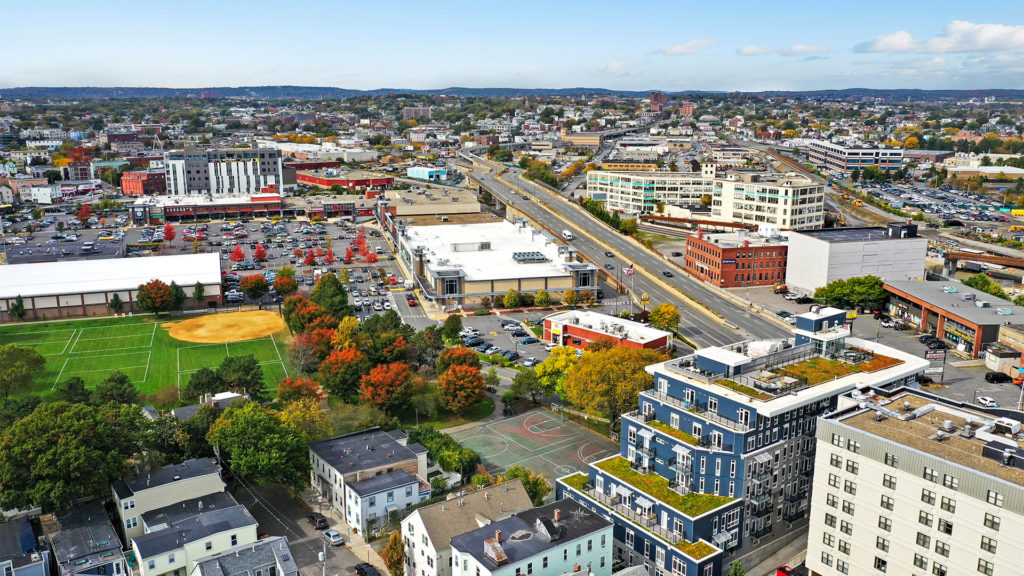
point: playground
(538, 439)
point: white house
(370, 501)
(270, 556)
(176, 549)
(428, 531)
(171, 484)
(560, 538)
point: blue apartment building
(719, 454)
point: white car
(987, 402)
(790, 296)
(333, 537)
(387, 305)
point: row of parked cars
(335, 538)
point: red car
(412, 303)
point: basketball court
(538, 439)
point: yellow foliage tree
(607, 383)
(911, 143)
(308, 418)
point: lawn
(691, 505)
(140, 347)
(818, 370)
(345, 416)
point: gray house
(21, 553)
(84, 542)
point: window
(602, 540)
(131, 522)
(924, 540)
(942, 548)
(853, 446)
(852, 467)
(950, 481)
(830, 520)
(988, 544)
(850, 487)
(887, 503)
(889, 481)
(994, 498)
(844, 547)
(128, 505)
(826, 558)
(948, 504)
(837, 440)
(924, 518)
(920, 561)
(985, 567)
(170, 558)
(836, 461)
(945, 526)
(832, 500)
(579, 548)
(938, 569)
(209, 545)
(590, 545)
(629, 538)
(928, 497)
(881, 543)
(544, 562)
(885, 523)
(565, 555)
(848, 507)
(234, 540)
(828, 540)
(992, 522)
(152, 565)
(930, 474)
(842, 567)
(408, 491)
(892, 460)
(373, 501)
(845, 527)
(529, 568)
(881, 565)
(833, 480)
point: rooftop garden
(678, 434)
(577, 481)
(818, 370)
(746, 390)
(691, 505)
(696, 550)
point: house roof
(245, 558)
(171, 473)
(84, 533)
(179, 511)
(378, 484)
(365, 449)
(455, 516)
(526, 534)
(193, 528)
(17, 541)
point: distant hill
(327, 92)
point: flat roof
(606, 324)
(935, 294)
(485, 251)
(432, 197)
(197, 200)
(84, 532)
(106, 275)
(365, 449)
(916, 428)
(378, 484)
(191, 529)
(188, 469)
(873, 233)
(736, 239)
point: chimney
(497, 536)
(576, 567)
(700, 234)
(558, 514)
(746, 243)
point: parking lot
(956, 207)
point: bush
(482, 313)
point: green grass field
(139, 347)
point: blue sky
(676, 45)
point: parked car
(317, 520)
(926, 338)
(334, 538)
(529, 340)
(677, 254)
(936, 345)
(998, 377)
(530, 362)
(364, 569)
(987, 402)
(520, 333)
(790, 296)
(472, 341)
(805, 300)
(511, 355)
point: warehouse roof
(959, 300)
(107, 275)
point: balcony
(793, 515)
(647, 521)
(644, 450)
(796, 497)
(638, 465)
(761, 512)
(681, 488)
(762, 531)
(760, 499)
(698, 408)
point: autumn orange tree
(341, 372)
(300, 314)
(255, 286)
(384, 386)
(284, 285)
(457, 357)
(155, 296)
(292, 389)
(169, 233)
(318, 339)
(237, 255)
(460, 387)
(608, 383)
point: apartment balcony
(681, 467)
(796, 497)
(644, 450)
(761, 498)
(794, 515)
(762, 531)
(761, 511)
(647, 521)
(639, 466)
(640, 416)
(680, 487)
(699, 408)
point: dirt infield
(230, 327)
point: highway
(592, 238)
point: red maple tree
(237, 255)
(310, 259)
(460, 387)
(319, 252)
(329, 257)
(318, 337)
(260, 255)
(169, 233)
(341, 372)
(284, 285)
(291, 389)
(371, 258)
(83, 213)
(382, 385)
(297, 253)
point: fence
(596, 423)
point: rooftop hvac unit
(981, 303)
(967, 297)
(949, 289)
(1004, 311)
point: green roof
(691, 505)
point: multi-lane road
(592, 238)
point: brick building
(349, 180)
(738, 258)
(143, 182)
(578, 328)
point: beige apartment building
(163, 487)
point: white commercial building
(916, 484)
(43, 194)
(428, 531)
(234, 171)
(847, 155)
(554, 540)
(817, 257)
(788, 201)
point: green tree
(555, 368)
(393, 554)
(18, 367)
(736, 569)
(452, 326)
(542, 298)
(177, 296)
(17, 309)
(260, 447)
(608, 383)
(536, 485)
(628, 226)
(570, 297)
(855, 175)
(115, 303)
(287, 271)
(72, 390)
(117, 387)
(330, 295)
(665, 316)
(198, 292)
(202, 381)
(491, 378)
(243, 373)
(851, 292)
(62, 452)
(527, 382)
(981, 281)
(511, 299)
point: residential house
(190, 536)
(21, 553)
(84, 542)
(428, 531)
(371, 501)
(171, 484)
(270, 556)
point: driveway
(279, 514)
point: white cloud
(690, 47)
(794, 50)
(957, 36)
(610, 68)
